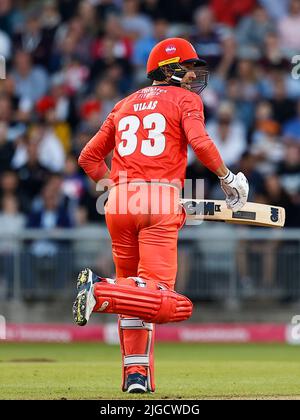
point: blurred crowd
(69, 61)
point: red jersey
(149, 132)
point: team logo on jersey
(170, 49)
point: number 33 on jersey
(154, 145)
(149, 132)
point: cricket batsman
(149, 132)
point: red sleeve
(91, 158)
(192, 120)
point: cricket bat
(251, 214)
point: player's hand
(236, 189)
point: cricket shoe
(136, 383)
(85, 300)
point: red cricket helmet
(170, 55)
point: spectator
(8, 16)
(288, 171)
(95, 109)
(5, 45)
(81, 138)
(34, 40)
(31, 82)
(252, 31)
(87, 204)
(144, 45)
(112, 54)
(283, 107)
(52, 214)
(271, 192)
(43, 253)
(273, 54)
(108, 7)
(263, 114)
(229, 134)
(51, 17)
(267, 147)
(9, 184)
(75, 75)
(5, 109)
(276, 9)
(88, 16)
(72, 184)
(119, 40)
(11, 220)
(6, 149)
(32, 174)
(274, 193)
(72, 40)
(50, 151)
(152, 8)
(107, 94)
(289, 30)
(213, 43)
(274, 62)
(9, 117)
(65, 108)
(291, 129)
(90, 113)
(247, 165)
(135, 23)
(247, 76)
(229, 13)
(49, 112)
(243, 90)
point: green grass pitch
(183, 371)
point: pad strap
(136, 360)
(135, 324)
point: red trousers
(144, 244)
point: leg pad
(144, 299)
(140, 354)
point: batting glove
(236, 189)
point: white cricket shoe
(85, 300)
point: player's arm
(235, 187)
(91, 158)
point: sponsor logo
(170, 49)
(274, 214)
(207, 208)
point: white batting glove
(236, 189)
